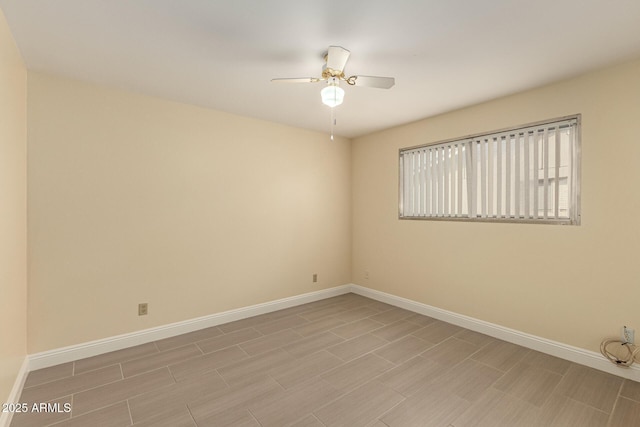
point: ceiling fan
(333, 72)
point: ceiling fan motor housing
(327, 73)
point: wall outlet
(315, 278)
(628, 335)
(143, 309)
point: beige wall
(13, 210)
(570, 284)
(135, 199)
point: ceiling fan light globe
(332, 95)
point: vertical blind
(527, 174)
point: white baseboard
(93, 348)
(16, 391)
(581, 356)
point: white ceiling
(222, 54)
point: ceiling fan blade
(374, 81)
(297, 80)
(337, 57)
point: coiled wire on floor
(619, 352)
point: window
(525, 174)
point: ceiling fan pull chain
(333, 122)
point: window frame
(574, 202)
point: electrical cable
(631, 352)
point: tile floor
(344, 361)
